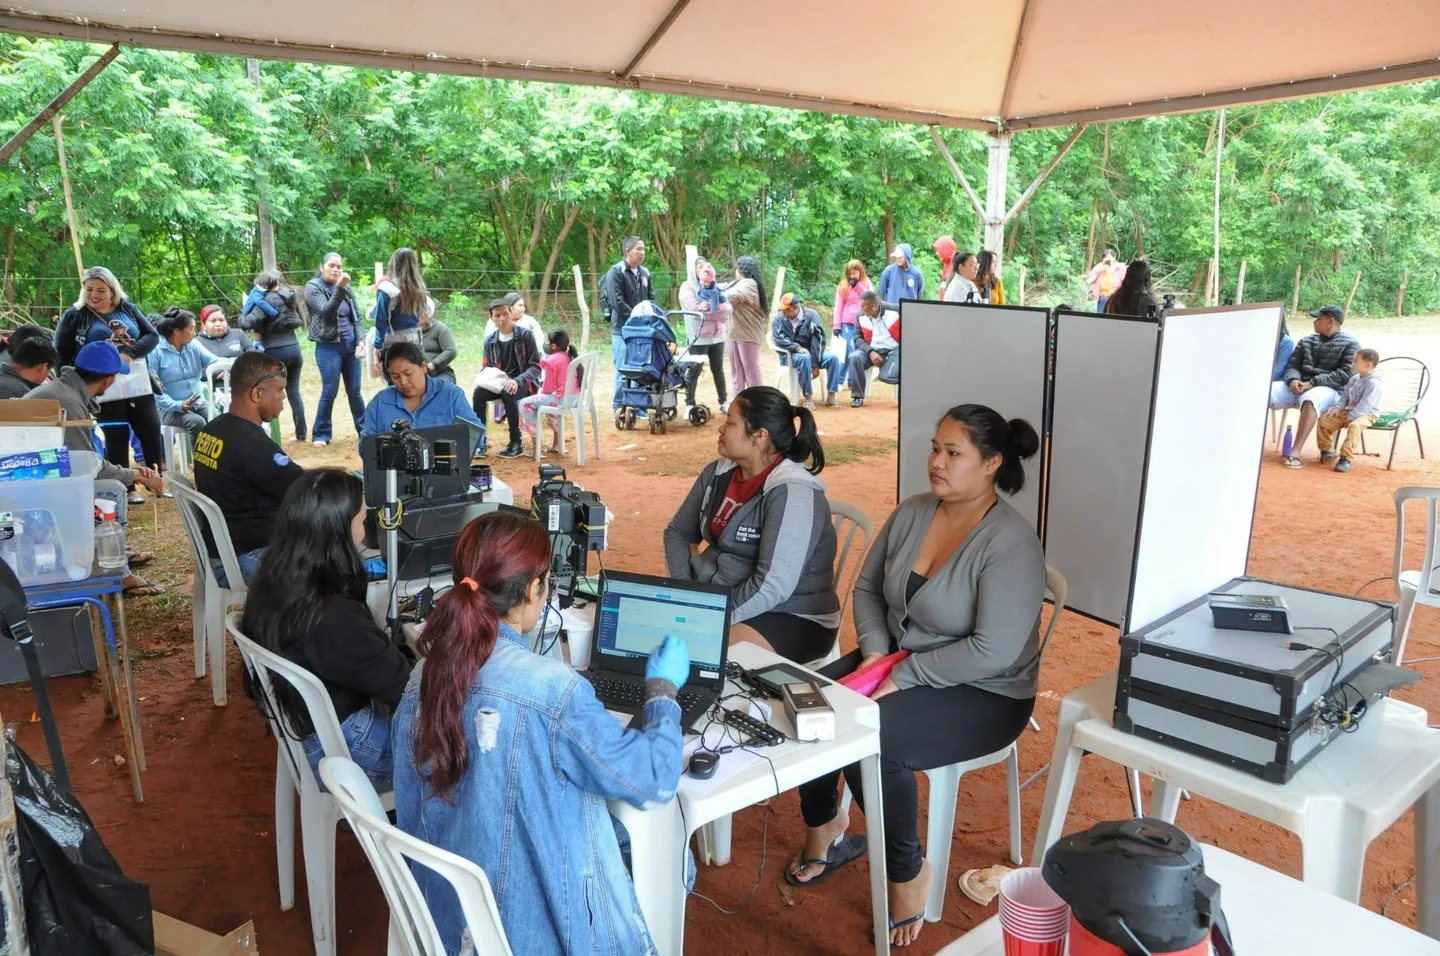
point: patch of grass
(151, 653)
(846, 451)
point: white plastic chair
(412, 929)
(319, 811)
(1414, 587)
(784, 371)
(849, 522)
(219, 394)
(578, 400)
(177, 449)
(209, 599)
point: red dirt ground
(203, 838)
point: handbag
(890, 370)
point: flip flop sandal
(136, 499)
(983, 886)
(1292, 462)
(139, 559)
(848, 850)
(143, 589)
(894, 926)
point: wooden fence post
(1240, 283)
(1022, 285)
(1400, 299)
(1351, 297)
(584, 310)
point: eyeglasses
(267, 377)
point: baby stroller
(651, 375)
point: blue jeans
(1101, 302)
(847, 332)
(367, 734)
(337, 361)
(804, 363)
(617, 352)
(249, 564)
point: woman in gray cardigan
(757, 522)
(957, 579)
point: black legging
(481, 398)
(920, 728)
(140, 416)
(716, 354)
(294, 361)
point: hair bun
(1024, 441)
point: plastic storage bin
(47, 527)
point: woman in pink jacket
(702, 294)
(847, 303)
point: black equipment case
(1242, 697)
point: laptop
(633, 614)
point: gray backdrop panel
(1104, 376)
(953, 353)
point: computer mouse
(703, 764)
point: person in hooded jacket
(901, 280)
(757, 521)
(701, 294)
(276, 325)
(945, 248)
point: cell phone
(770, 680)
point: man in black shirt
(237, 465)
(625, 285)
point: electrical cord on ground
(1383, 577)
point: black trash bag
(76, 899)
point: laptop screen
(637, 611)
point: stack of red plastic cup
(1034, 921)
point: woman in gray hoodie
(757, 522)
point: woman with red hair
(514, 758)
(847, 302)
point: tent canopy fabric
(1010, 64)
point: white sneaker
(319, 443)
(807, 403)
(724, 408)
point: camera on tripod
(409, 453)
(576, 521)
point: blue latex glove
(670, 661)
(375, 568)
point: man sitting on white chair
(878, 336)
(801, 340)
(1318, 369)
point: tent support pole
(1044, 173)
(998, 175)
(58, 103)
(955, 168)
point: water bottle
(109, 539)
(1288, 444)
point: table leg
(124, 641)
(99, 633)
(1064, 767)
(1164, 800)
(875, 835)
(657, 865)
(1427, 863)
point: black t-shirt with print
(239, 468)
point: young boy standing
(1359, 406)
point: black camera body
(576, 521)
(404, 451)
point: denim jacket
(530, 811)
(180, 371)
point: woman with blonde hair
(847, 302)
(102, 313)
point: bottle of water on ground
(1288, 445)
(109, 539)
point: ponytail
(172, 320)
(768, 408)
(496, 558)
(1015, 441)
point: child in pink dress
(556, 368)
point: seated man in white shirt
(878, 336)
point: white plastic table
(1351, 792)
(659, 836)
(1269, 913)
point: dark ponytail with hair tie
(764, 407)
(1015, 441)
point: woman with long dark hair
(277, 337)
(338, 330)
(956, 578)
(1136, 295)
(103, 313)
(308, 606)
(749, 318)
(961, 287)
(506, 757)
(987, 278)
(762, 515)
(399, 299)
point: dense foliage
(501, 184)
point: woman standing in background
(987, 279)
(337, 330)
(847, 303)
(400, 297)
(702, 295)
(749, 318)
(277, 326)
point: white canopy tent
(1009, 65)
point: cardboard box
(27, 424)
(174, 938)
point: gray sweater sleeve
(1007, 607)
(785, 542)
(684, 529)
(869, 599)
(1367, 399)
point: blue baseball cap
(101, 358)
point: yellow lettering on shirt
(208, 449)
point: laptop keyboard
(632, 693)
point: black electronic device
(772, 679)
(446, 477)
(702, 764)
(1250, 612)
(576, 521)
(810, 713)
(752, 730)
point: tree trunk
(7, 291)
(1295, 298)
(1139, 236)
(570, 218)
(1240, 283)
(69, 203)
(262, 183)
(1351, 297)
(1399, 299)
(888, 223)
(1090, 240)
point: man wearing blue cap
(76, 388)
